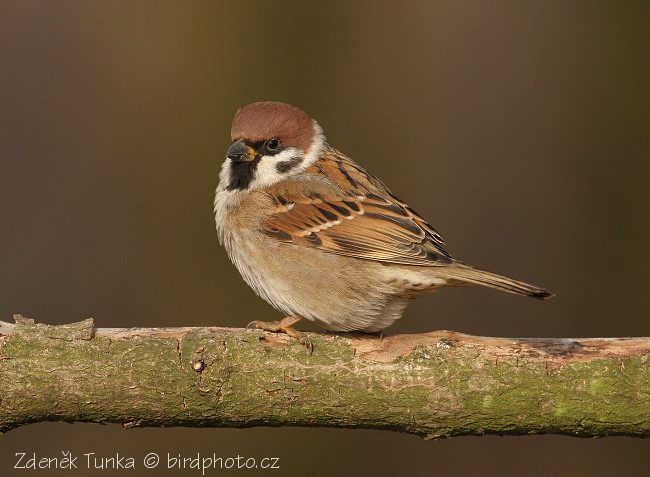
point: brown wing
(340, 208)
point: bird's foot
(284, 325)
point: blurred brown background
(519, 129)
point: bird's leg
(286, 326)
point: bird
(319, 237)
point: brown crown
(263, 121)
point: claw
(284, 325)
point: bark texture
(438, 384)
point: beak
(240, 152)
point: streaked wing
(354, 214)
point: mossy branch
(437, 384)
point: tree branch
(436, 384)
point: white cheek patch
(291, 161)
(272, 169)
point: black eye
(272, 145)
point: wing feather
(340, 208)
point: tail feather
(475, 276)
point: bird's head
(270, 142)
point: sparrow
(318, 237)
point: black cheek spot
(285, 166)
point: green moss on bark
(248, 378)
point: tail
(468, 275)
